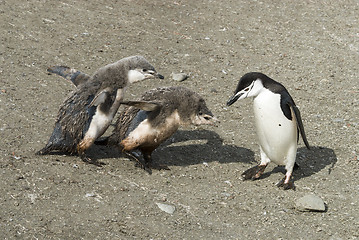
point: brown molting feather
(180, 99)
(122, 124)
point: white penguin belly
(99, 123)
(277, 134)
(143, 132)
(147, 134)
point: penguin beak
(234, 98)
(153, 74)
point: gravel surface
(311, 47)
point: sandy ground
(312, 47)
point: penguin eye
(144, 70)
(246, 89)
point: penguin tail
(76, 77)
(59, 141)
(43, 151)
(300, 126)
(49, 148)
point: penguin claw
(90, 161)
(253, 173)
(148, 167)
(138, 162)
(286, 186)
(144, 167)
(160, 167)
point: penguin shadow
(310, 162)
(191, 147)
(185, 147)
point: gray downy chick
(155, 117)
(88, 111)
(278, 124)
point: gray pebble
(339, 120)
(179, 76)
(310, 202)
(166, 208)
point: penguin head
(192, 108)
(140, 69)
(187, 105)
(249, 85)
(123, 72)
(203, 116)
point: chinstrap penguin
(278, 124)
(155, 117)
(88, 111)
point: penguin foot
(144, 167)
(90, 161)
(159, 167)
(254, 172)
(286, 186)
(148, 167)
(138, 163)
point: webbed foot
(254, 172)
(286, 185)
(89, 160)
(159, 167)
(139, 163)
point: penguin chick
(156, 117)
(88, 111)
(278, 124)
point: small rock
(90, 195)
(229, 183)
(310, 202)
(166, 208)
(32, 197)
(45, 20)
(338, 120)
(179, 76)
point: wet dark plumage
(76, 113)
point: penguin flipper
(76, 77)
(299, 123)
(148, 106)
(101, 97)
